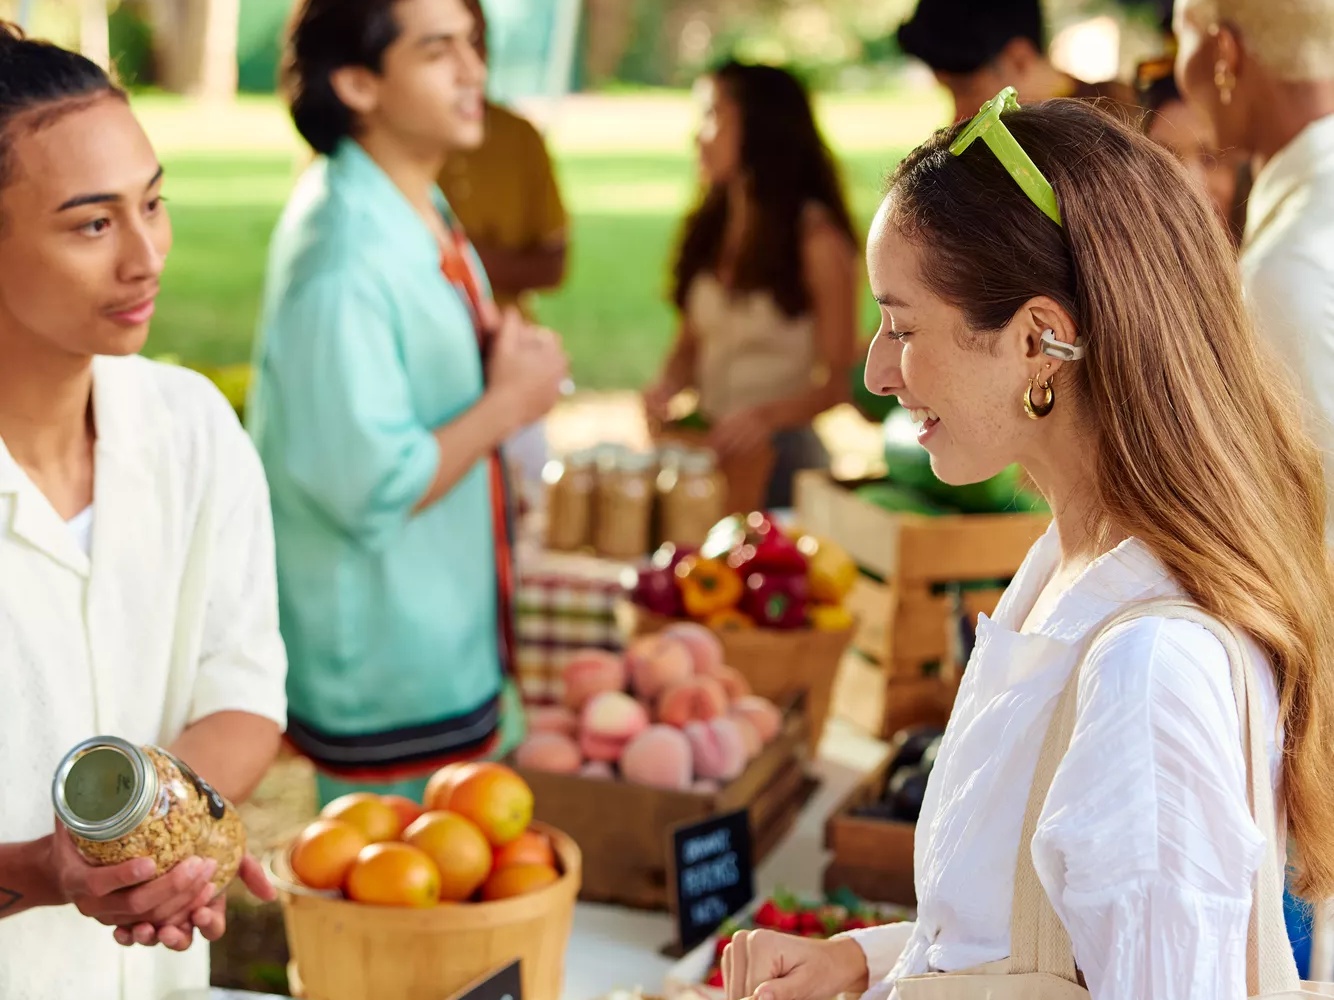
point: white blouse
(170, 614)
(1146, 846)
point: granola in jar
(120, 801)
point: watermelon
(910, 467)
(899, 499)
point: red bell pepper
(776, 600)
(669, 554)
(753, 544)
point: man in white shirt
(137, 584)
(1264, 74)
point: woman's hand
(657, 402)
(772, 966)
(208, 916)
(741, 433)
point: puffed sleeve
(1146, 845)
(352, 440)
(882, 945)
(242, 660)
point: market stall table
(612, 948)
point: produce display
(750, 573)
(911, 486)
(668, 714)
(468, 841)
(913, 756)
(784, 912)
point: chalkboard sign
(503, 984)
(712, 874)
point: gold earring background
(1035, 409)
(1224, 81)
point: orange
(368, 812)
(496, 799)
(441, 785)
(324, 851)
(407, 810)
(530, 848)
(517, 880)
(458, 849)
(393, 874)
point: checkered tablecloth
(565, 603)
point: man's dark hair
(325, 36)
(40, 81)
(962, 36)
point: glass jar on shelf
(623, 516)
(571, 484)
(692, 496)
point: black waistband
(454, 736)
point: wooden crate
(903, 611)
(623, 829)
(872, 857)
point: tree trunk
(195, 42)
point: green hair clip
(988, 127)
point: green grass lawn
(228, 179)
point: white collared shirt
(1145, 846)
(1287, 269)
(171, 618)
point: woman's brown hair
(1200, 450)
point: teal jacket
(363, 349)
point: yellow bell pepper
(829, 617)
(829, 569)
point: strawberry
(769, 915)
(855, 923)
(719, 946)
(809, 921)
(788, 923)
(715, 979)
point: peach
(610, 720)
(750, 736)
(705, 786)
(659, 757)
(718, 748)
(733, 681)
(553, 752)
(552, 719)
(701, 698)
(597, 769)
(706, 649)
(589, 672)
(656, 662)
(762, 714)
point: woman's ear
(1037, 316)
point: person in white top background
(137, 583)
(1263, 73)
(1090, 326)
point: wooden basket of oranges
(387, 899)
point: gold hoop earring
(1037, 409)
(1225, 81)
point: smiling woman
(134, 619)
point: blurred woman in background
(764, 281)
(1181, 129)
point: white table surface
(613, 948)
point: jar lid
(698, 462)
(637, 461)
(104, 788)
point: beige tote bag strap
(1038, 940)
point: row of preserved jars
(622, 504)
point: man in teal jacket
(386, 383)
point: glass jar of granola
(623, 521)
(691, 495)
(120, 801)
